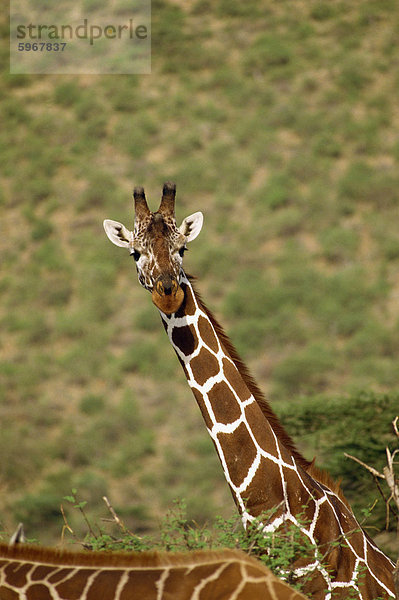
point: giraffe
(34, 573)
(263, 468)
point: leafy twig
(80, 506)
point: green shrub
(18, 80)
(96, 126)
(390, 247)
(169, 40)
(57, 290)
(92, 404)
(287, 222)
(67, 93)
(327, 144)
(330, 426)
(14, 111)
(321, 11)
(365, 183)
(38, 189)
(372, 340)
(278, 550)
(339, 244)
(37, 330)
(123, 96)
(240, 10)
(41, 230)
(268, 51)
(39, 508)
(278, 192)
(87, 106)
(364, 135)
(354, 76)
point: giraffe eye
(182, 250)
(136, 255)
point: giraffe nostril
(168, 288)
(166, 285)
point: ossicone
(140, 203)
(167, 206)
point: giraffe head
(157, 246)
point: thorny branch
(388, 474)
(392, 481)
(115, 517)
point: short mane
(111, 560)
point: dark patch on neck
(188, 305)
(185, 339)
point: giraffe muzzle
(167, 295)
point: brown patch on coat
(204, 366)
(207, 334)
(185, 339)
(224, 404)
(238, 464)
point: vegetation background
(279, 120)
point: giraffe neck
(265, 472)
(235, 413)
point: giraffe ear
(191, 226)
(117, 233)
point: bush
(322, 12)
(358, 424)
(278, 192)
(38, 189)
(38, 508)
(67, 93)
(240, 10)
(123, 96)
(269, 51)
(41, 229)
(368, 184)
(339, 244)
(354, 76)
(327, 145)
(92, 404)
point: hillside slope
(279, 121)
